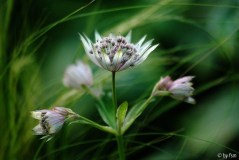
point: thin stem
(119, 135)
(89, 90)
(96, 125)
(114, 92)
(120, 146)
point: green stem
(89, 90)
(120, 146)
(96, 125)
(119, 135)
(114, 93)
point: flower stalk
(119, 136)
(120, 146)
(96, 125)
(114, 98)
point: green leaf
(106, 110)
(134, 112)
(121, 112)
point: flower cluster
(179, 89)
(116, 53)
(51, 121)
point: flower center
(110, 46)
(44, 124)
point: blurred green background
(39, 39)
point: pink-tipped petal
(184, 79)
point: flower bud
(165, 83)
(77, 75)
(51, 121)
(180, 89)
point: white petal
(53, 115)
(184, 79)
(38, 114)
(72, 78)
(97, 36)
(181, 89)
(56, 127)
(60, 110)
(112, 35)
(117, 60)
(107, 62)
(86, 45)
(49, 138)
(95, 58)
(190, 100)
(178, 97)
(144, 47)
(165, 83)
(139, 43)
(145, 55)
(128, 37)
(127, 64)
(100, 61)
(45, 137)
(89, 75)
(38, 130)
(85, 72)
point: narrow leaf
(121, 112)
(106, 110)
(134, 112)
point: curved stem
(120, 146)
(89, 90)
(114, 93)
(96, 125)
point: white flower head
(116, 53)
(180, 89)
(76, 75)
(51, 121)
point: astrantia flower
(76, 75)
(51, 121)
(116, 53)
(180, 89)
